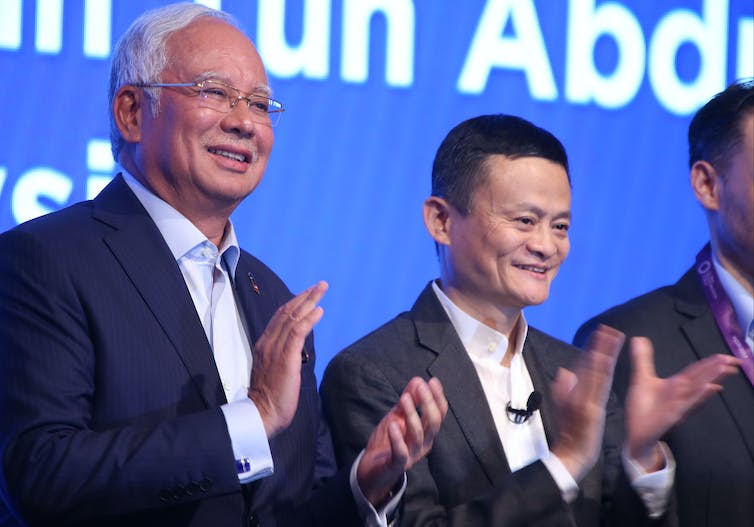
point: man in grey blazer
(523, 441)
(715, 446)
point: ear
(127, 107)
(436, 213)
(705, 183)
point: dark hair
(715, 131)
(459, 165)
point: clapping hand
(403, 437)
(655, 405)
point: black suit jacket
(109, 394)
(465, 480)
(714, 447)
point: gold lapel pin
(254, 285)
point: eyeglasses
(222, 97)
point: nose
(542, 242)
(240, 121)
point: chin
(235, 190)
(537, 299)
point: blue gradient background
(341, 200)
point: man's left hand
(655, 405)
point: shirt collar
(478, 339)
(743, 302)
(179, 233)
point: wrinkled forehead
(500, 164)
(526, 179)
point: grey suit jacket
(714, 447)
(466, 480)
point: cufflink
(243, 465)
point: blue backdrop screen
(371, 87)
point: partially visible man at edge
(709, 310)
(152, 372)
(500, 212)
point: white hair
(140, 55)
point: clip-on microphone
(518, 416)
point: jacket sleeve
(357, 394)
(60, 458)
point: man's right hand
(580, 398)
(276, 368)
(403, 437)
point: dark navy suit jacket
(714, 446)
(109, 394)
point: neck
(512, 339)
(746, 279)
(503, 319)
(208, 217)
(212, 228)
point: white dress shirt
(522, 443)
(208, 272)
(197, 258)
(526, 442)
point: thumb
(642, 358)
(565, 381)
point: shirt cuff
(652, 487)
(371, 516)
(249, 440)
(569, 489)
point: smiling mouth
(532, 268)
(230, 155)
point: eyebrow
(566, 214)
(260, 89)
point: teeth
(532, 268)
(230, 155)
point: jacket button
(179, 492)
(165, 496)
(192, 488)
(205, 484)
(253, 521)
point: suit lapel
(466, 399)
(543, 365)
(249, 301)
(145, 257)
(705, 340)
